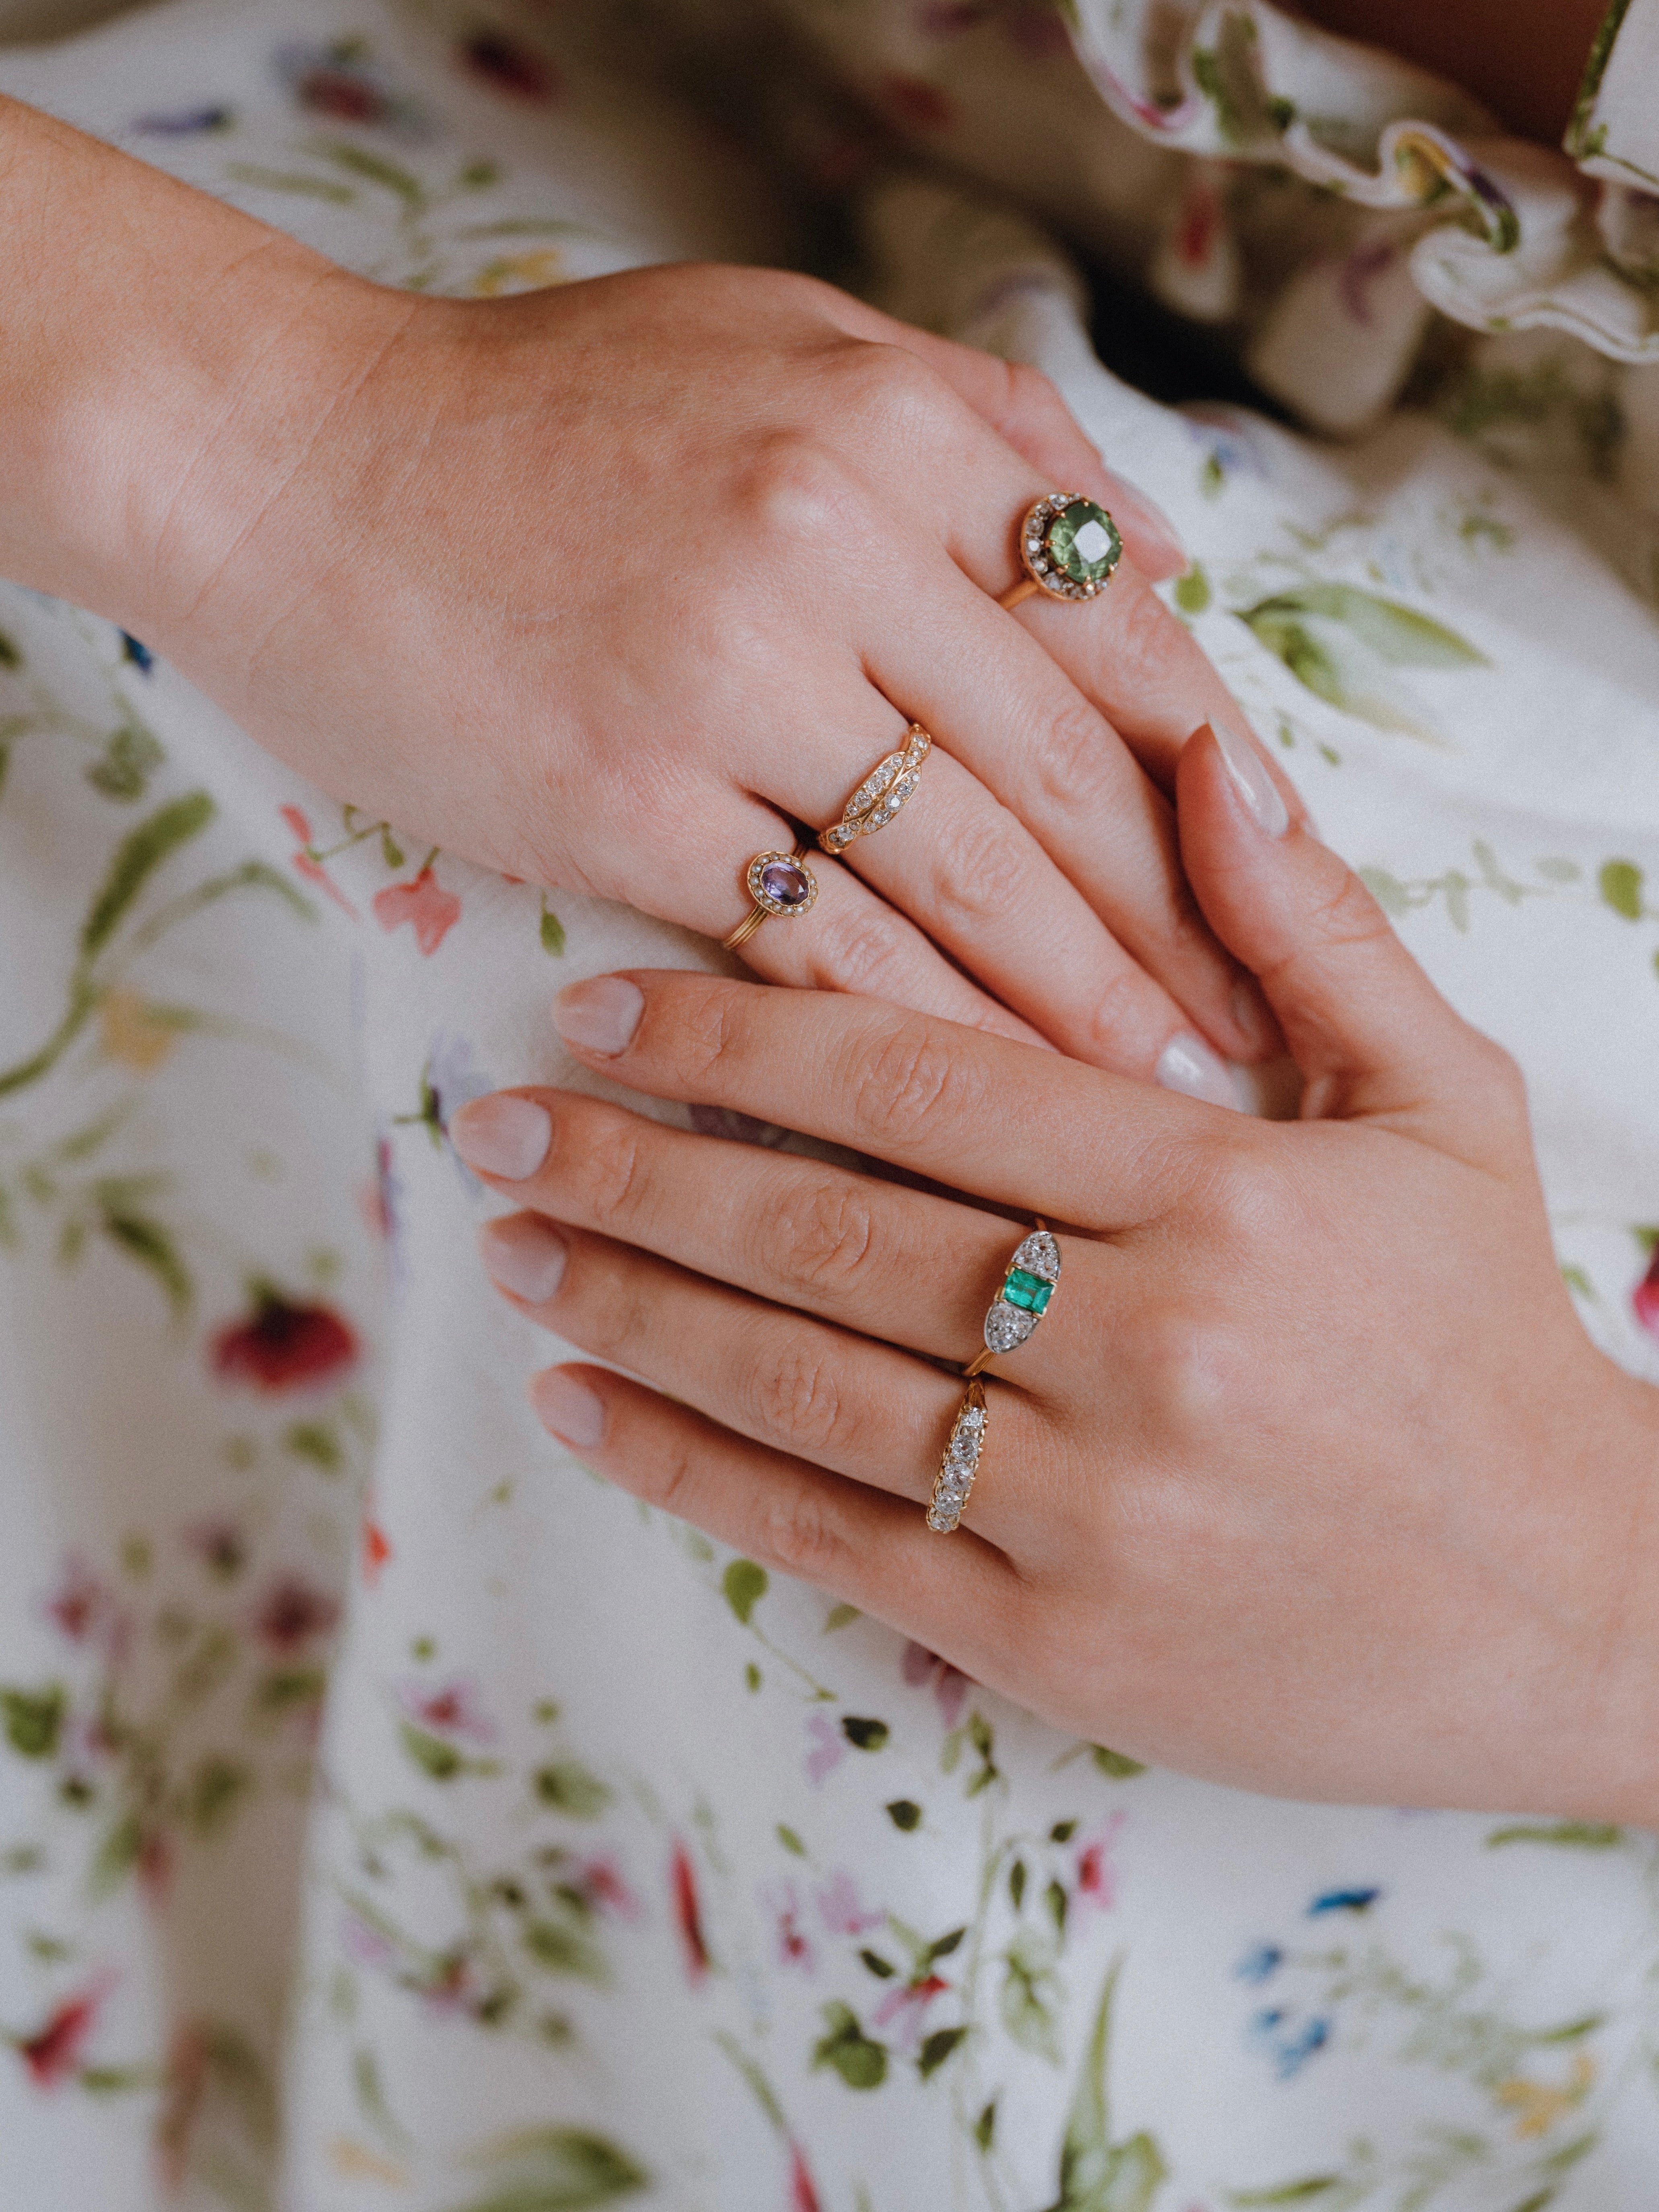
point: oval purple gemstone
(786, 882)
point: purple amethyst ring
(779, 883)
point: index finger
(980, 1114)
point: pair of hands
(1310, 1481)
(606, 587)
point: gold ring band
(1069, 548)
(888, 787)
(960, 1462)
(780, 883)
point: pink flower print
(803, 2197)
(52, 2054)
(600, 1883)
(920, 1666)
(840, 1910)
(452, 1709)
(1096, 1877)
(85, 1610)
(794, 1944)
(305, 864)
(292, 1614)
(903, 2012)
(829, 1748)
(430, 910)
(688, 1915)
(1645, 1298)
(364, 1945)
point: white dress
(393, 1814)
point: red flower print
(917, 103)
(53, 2055)
(1199, 223)
(291, 1613)
(377, 1550)
(86, 1610)
(283, 1345)
(794, 1945)
(601, 1884)
(508, 67)
(433, 911)
(803, 2197)
(312, 871)
(1646, 1297)
(1096, 1877)
(683, 1880)
(347, 98)
(453, 1709)
(920, 1666)
(905, 2009)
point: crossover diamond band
(883, 792)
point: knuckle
(702, 1032)
(1142, 633)
(985, 872)
(797, 494)
(910, 1084)
(865, 952)
(799, 1535)
(1118, 1020)
(611, 1169)
(794, 1396)
(886, 380)
(1187, 1369)
(820, 1240)
(1075, 756)
(604, 1315)
(1348, 916)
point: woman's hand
(599, 585)
(1310, 1480)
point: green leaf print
(1030, 1992)
(1293, 2192)
(1568, 1835)
(1192, 590)
(279, 180)
(149, 1244)
(122, 771)
(34, 1720)
(136, 860)
(569, 1786)
(1096, 2174)
(861, 2063)
(1621, 885)
(744, 1585)
(375, 169)
(562, 1951)
(937, 2049)
(1339, 643)
(863, 1735)
(9, 656)
(1115, 1763)
(555, 2170)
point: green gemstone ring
(1069, 547)
(1027, 1287)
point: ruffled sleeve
(1439, 209)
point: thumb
(1375, 1041)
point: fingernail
(1252, 781)
(1187, 1064)
(524, 1255)
(569, 1408)
(600, 1014)
(502, 1135)
(1159, 552)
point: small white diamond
(1006, 1326)
(1042, 567)
(1039, 1255)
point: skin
(401, 540)
(1309, 1482)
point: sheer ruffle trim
(1500, 235)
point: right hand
(597, 586)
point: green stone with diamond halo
(1070, 545)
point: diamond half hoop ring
(1020, 1304)
(884, 791)
(960, 1463)
(779, 883)
(1068, 547)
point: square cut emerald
(1030, 1291)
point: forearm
(143, 322)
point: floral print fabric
(391, 1814)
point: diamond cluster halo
(1070, 546)
(1026, 1289)
(960, 1463)
(882, 793)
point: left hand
(1310, 1481)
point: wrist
(154, 358)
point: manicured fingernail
(502, 1135)
(524, 1255)
(600, 1014)
(1159, 552)
(1187, 1064)
(569, 1407)
(1252, 781)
